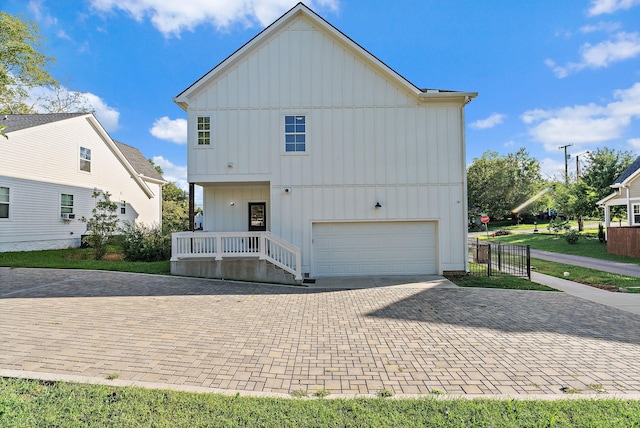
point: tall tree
(498, 185)
(22, 65)
(175, 209)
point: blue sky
(548, 72)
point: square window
(85, 159)
(295, 133)
(204, 130)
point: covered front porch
(625, 238)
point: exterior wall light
(378, 205)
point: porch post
(629, 210)
(607, 219)
(191, 207)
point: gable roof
(137, 160)
(302, 10)
(16, 122)
(628, 173)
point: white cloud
(490, 122)
(552, 169)
(634, 143)
(40, 13)
(508, 144)
(170, 130)
(598, 7)
(85, 101)
(621, 47)
(172, 17)
(584, 124)
(178, 175)
(608, 27)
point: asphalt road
(627, 269)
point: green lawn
(505, 282)
(80, 258)
(30, 403)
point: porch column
(192, 207)
(607, 220)
(629, 210)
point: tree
(175, 209)
(22, 65)
(498, 185)
(102, 224)
(61, 100)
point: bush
(601, 235)
(572, 236)
(558, 225)
(142, 243)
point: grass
(80, 258)
(592, 277)
(30, 403)
(588, 245)
(506, 282)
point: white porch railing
(218, 245)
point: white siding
(44, 163)
(368, 140)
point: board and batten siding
(368, 140)
(45, 164)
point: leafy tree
(22, 65)
(576, 200)
(498, 184)
(605, 165)
(61, 100)
(175, 209)
(102, 224)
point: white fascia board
(116, 151)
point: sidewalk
(623, 301)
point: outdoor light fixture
(233, 203)
(378, 205)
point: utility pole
(566, 162)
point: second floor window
(295, 134)
(85, 159)
(204, 130)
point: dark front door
(257, 216)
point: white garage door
(373, 248)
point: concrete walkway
(413, 335)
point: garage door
(373, 248)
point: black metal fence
(497, 259)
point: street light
(578, 164)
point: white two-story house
(49, 167)
(317, 157)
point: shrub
(102, 224)
(601, 235)
(143, 243)
(572, 236)
(558, 225)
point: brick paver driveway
(276, 339)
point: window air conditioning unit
(67, 216)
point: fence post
(489, 259)
(529, 262)
(499, 257)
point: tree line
(512, 186)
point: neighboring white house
(49, 167)
(304, 134)
(626, 193)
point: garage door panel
(374, 248)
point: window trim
(83, 159)
(209, 130)
(63, 207)
(634, 214)
(7, 203)
(284, 134)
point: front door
(257, 216)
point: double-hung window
(295, 134)
(66, 204)
(204, 130)
(636, 214)
(4, 202)
(85, 159)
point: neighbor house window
(636, 214)
(85, 159)
(123, 207)
(66, 204)
(295, 128)
(204, 130)
(4, 202)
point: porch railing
(218, 245)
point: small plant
(385, 393)
(299, 393)
(436, 392)
(321, 393)
(572, 236)
(556, 226)
(501, 232)
(102, 224)
(597, 387)
(601, 235)
(569, 390)
(113, 376)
